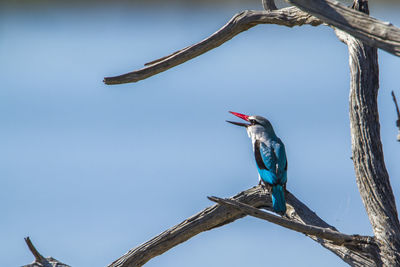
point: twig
(41, 261)
(324, 233)
(398, 115)
(36, 254)
(290, 16)
(371, 31)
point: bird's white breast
(257, 133)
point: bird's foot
(265, 186)
(262, 184)
(268, 187)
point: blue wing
(280, 152)
(271, 162)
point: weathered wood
(41, 261)
(290, 17)
(336, 237)
(217, 215)
(371, 31)
(371, 174)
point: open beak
(242, 116)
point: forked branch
(219, 215)
(311, 230)
(371, 31)
(290, 16)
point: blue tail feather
(278, 199)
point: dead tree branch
(41, 261)
(398, 115)
(371, 31)
(217, 215)
(310, 230)
(371, 174)
(241, 22)
(36, 254)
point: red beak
(242, 116)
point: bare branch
(217, 215)
(36, 254)
(243, 21)
(398, 115)
(320, 232)
(371, 174)
(371, 31)
(41, 261)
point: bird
(270, 156)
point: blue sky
(89, 171)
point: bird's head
(257, 128)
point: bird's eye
(253, 121)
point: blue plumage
(274, 171)
(278, 199)
(270, 156)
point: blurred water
(90, 171)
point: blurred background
(89, 171)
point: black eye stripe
(253, 122)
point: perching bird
(270, 156)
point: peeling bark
(371, 175)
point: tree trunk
(371, 174)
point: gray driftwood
(363, 35)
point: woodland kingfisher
(270, 156)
